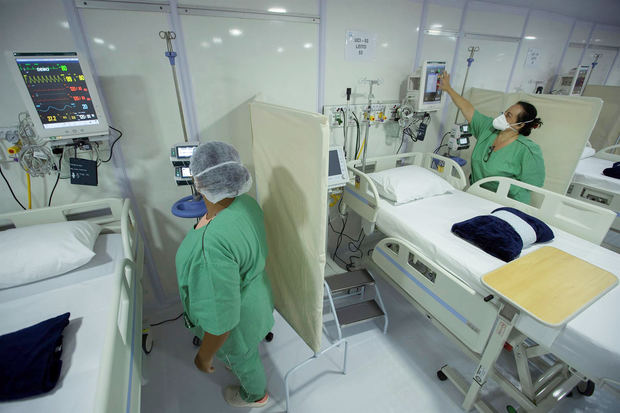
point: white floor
(386, 373)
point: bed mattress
(588, 342)
(85, 293)
(589, 172)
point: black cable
(49, 203)
(167, 321)
(441, 142)
(357, 141)
(120, 135)
(11, 189)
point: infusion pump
(459, 137)
(180, 155)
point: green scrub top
(521, 160)
(222, 279)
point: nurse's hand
(444, 81)
(204, 365)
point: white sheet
(589, 342)
(589, 172)
(85, 294)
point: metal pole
(594, 63)
(171, 55)
(470, 60)
(368, 111)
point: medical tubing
(49, 202)
(29, 190)
(11, 189)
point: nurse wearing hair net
(221, 272)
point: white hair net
(218, 172)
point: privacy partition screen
(290, 150)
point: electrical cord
(49, 203)
(167, 321)
(11, 189)
(441, 145)
(358, 138)
(120, 135)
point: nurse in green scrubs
(502, 148)
(220, 265)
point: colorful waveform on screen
(58, 90)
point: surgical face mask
(500, 123)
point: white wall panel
(443, 16)
(291, 6)
(605, 60)
(581, 34)
(489, 18)
(137, 83)
(606, 36)
(550, 32)
(614, 76)
(274, 60)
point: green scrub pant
(249, 370)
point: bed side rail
(609, 153)
(132, 245)
(440, 294)
(360, 194)
(445, 167)
(106, 212)
(579, 218)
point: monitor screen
(463, 141)
(334, 163)
(432, 93)
(464, 128)
(185, 151)
(58, 89)
(185, 172)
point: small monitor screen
(464, 128)
(334, 163)
(432, 93)
(462, 141)
(185, 151)
(58, 90)
(185, 173)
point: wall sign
(360, 45)
(532, 57)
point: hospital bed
(590, 185)
(101, 370)
(440, 274)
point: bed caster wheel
(269, 337)
(196, 341)
(147, 343)
(511, 409)
(586, 388)
(441, 375)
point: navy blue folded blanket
(614, 171)
(30, 359)
(504, 233)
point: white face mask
(500, 123)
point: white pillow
(37, 252)
(408, 183)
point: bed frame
(598, 196)
(479, 325)
(119, 382)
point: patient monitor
(337, 175)
(60, 94)
(423, 87)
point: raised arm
(463, 104)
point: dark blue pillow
(497, 237)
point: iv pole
(371, 82)
(470, 60)
(171, 55)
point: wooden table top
(550, 284)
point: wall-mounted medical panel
(234, 60)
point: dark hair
(528, 115)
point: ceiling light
(111, 47)
(597, 40)
(530, 37)
(436, 26)
(277, 10)
(235, 32)
(384, 44)
(204, 44)
(64, 24)
(98, 40)
(217, 40)
(280, 49)
(307, 45)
